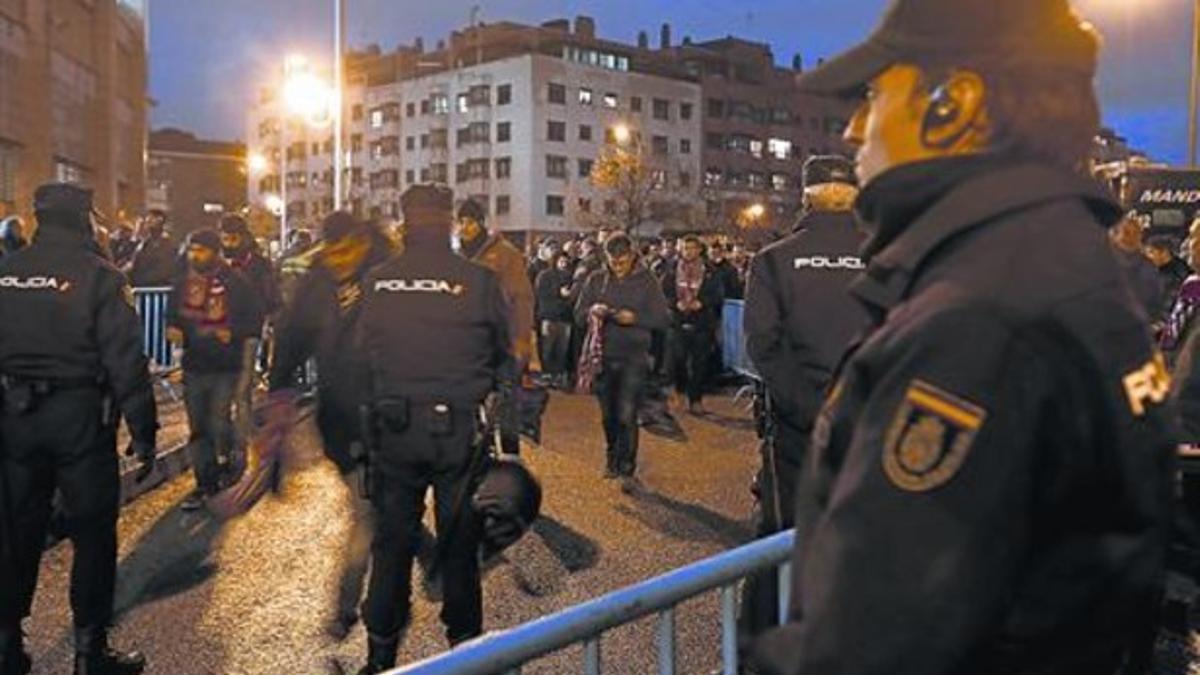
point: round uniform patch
(929, 438)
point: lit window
(376, 119)
(585, 96)
(610, 100)
(779, 148)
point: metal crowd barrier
(733, 343)
(507, 651)
(151, 304)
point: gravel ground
(250, 596)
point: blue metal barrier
(733, 341)
(586, 623)
(151, 304)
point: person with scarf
(695, 295)
(990, 479)
(212, 315)
(622, 304)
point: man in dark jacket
(695, 295)
(621, 305)
(71, 363)
(434, 338)
(991, 475)
(1172, 270)
(724, 270)
(156, 262)
(213, 314)
(555, 306)
(1144, 279)
(799, 318)
(13, 237)
(320, 321)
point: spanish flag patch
(929, 438)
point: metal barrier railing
(733, 339)
(151, 305)
(507, 651)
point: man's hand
(625, 317)
(565, 291)
(175, 336)
(147, 457)
(681, 306)
(697, 306)
(224, 336)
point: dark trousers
(775, 511)
(340, 435)
(693, 349)
(427, 453)
(209, 401)
(619, 389)
(61, 444)
(556, 345)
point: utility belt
(21, 395)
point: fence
(586, 623)
(151, 304)
(733, 343)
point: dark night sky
(208, 56)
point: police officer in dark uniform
(70, 361)
(990, 482)
(434, 334)
(799, 318)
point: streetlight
(306, 96)
(256, 163)
(622, 133)
(1194, 85)
(756, 211)
(274, 203)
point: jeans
(619, 389)
(556, 344)
(209, 401)
(693, 349)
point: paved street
(250, 597)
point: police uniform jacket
(67, 316)
(434, 327)
(990, 475)
(799, 315)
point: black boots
(13, 659)
(381, 654)
(93, 656)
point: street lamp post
(339, 36)
(1194, 85)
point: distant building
(515, 116)
(195, 180)
(73, 100)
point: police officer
(70, 361)
(434, 333)
(320, 322)
(799, 318)
(990, 481)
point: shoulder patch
(929, 438)
(127, 293)
(1150, 384)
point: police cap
(1044, 33)
(823, 169)
(62, 197)
(427, 205)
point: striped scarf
(591, 359)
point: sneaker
(696, 408)
(193, 502)
(610, 474)
(338, 628)
(631, 485)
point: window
(556, 131)
(377, 118)
(503, 204)
(503, 167)
(356, 112)
(410, 143)
(438, 173)
(780, 182)
(410, 177)
(758, 180)
(479, 94)
(685, 179)
(741, 143)
(610, 100)
(425, 175)
(779, 148)
(685, 111)
(658, 179)
(635, 104)
(424, 141)
(504, 132)
(385, 179)
(439, 139)
(585, 205)
(474, 133)
(472, 169)
(555, 205)
(556, 93)
(714, 141)
(712, 177)
(662, 109)
(356, 143)
(316, 148)
(464, 103)
(440, 104)
(592, 57)
(585, 132)
(556, 166)
(426, 107)
(585, 96)
(585, 168)
(716, 108)
(410, 110)
(685, 146)
(756, 148)
(660, 145)
(503, 97)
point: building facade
(73, 101)
(194, 180)
(517, 116)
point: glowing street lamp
(755, 212)
(621, 133)
(256, 163)
(274, 203)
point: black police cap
(823, 169)
(427, 205)
(1034, 32)
(62, 197)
